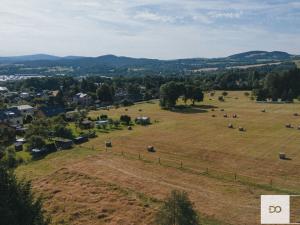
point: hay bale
(234, 116)
(242, 129)
(282, 156)
(296, 114)
(213, 115)
(225, 115)
(222, 110)
(126, 109)
(108, 144)
(150, 148)
(129, 128)
(230, 126)
(263, 110)
(212, 110)
(298, 128)
(140, 110)
(288, 125)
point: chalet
(82, 99)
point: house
(18, 146)
(63, 143)
(50, 111)
(24, 95)
(80, 140)
(82, 99)
(3, 90)
(26, 110)
(12, 116)
(86, 124)
(143, 120)
(101, 122)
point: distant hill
(37, 57)
(120, 65)
(261, 56)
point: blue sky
(165, 29)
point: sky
(164, 29)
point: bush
(224, 93)
(177, 209)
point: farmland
(223, 170)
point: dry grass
(191, 136)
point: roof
(24, 107)
(52, 111)
(9, 113)
(81, 95)
(3, 89)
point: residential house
(26, 110)
(3, 90)
(11, 116)
(24, 95)
(82, 99)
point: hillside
(223, 170)
(119, 65)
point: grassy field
(223, 170)
(298, 63)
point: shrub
(177, 209)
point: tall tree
(18, 206)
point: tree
(9, 158)
(36, 141)
(169, 93)
(125, 119)
(17, 203)
(197, 95)
(105, 93)
(177, 210)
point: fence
(282, 185)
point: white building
(24, 95)
(82, 99)
(26, 110)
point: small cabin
(142, 120)
(86, 124)
(63, 143)
(18, 146)
(80, 140)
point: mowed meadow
(223, 170)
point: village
(17, 120)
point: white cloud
(148, 28)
